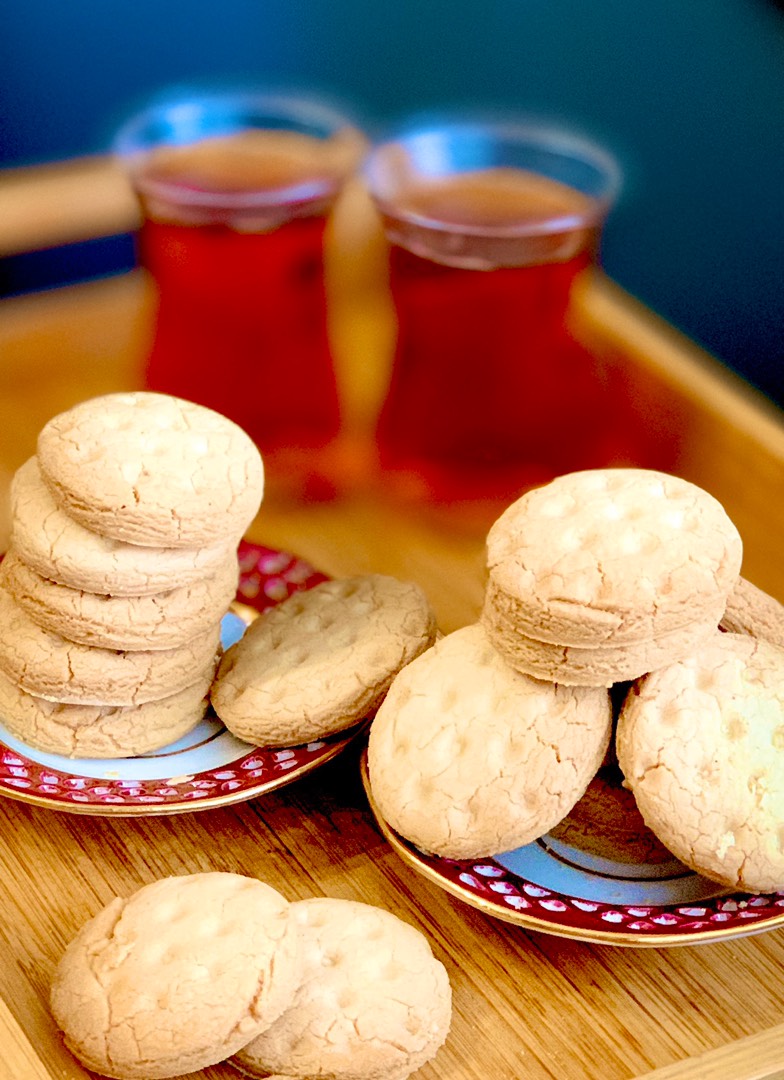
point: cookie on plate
(177, 977)
(619, 559)
(49, 666)
(701, 746)
(373, 1003)
(101, 731)
(322, 660)
(153, 470)
(164, 620)
(468, 758)
(61, 549)
(604, 665)
(752, 611)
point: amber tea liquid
(489, 393)
(241, 323)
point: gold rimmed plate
(205, 769)
(600, 876)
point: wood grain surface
(527, 1005)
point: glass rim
(240, 106)
(539, 135)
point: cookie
(60, 549)
(373, 1004)
(48, 666)
(468, 758)
(611, 557)
(177, 977)
(751, 611)
(100, 731)
(162, 621)
(322, 660)
(600, 666)
(153, 470)
(701, 746)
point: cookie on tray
(752, 611)
(153, 470)
(177, 977)
(373, 1003)
(468, 758)
(322, 660)
(61, 549)
(701, 746)
(49, 666)
(101, 731)
(615, 559)
(164, 620)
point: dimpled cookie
(611, 556)
(322, 660)
(604, 665)
(49, 666)
(162, 621)
(373, 1004)
(468, 758)
(61, 549)
(701, 745)
(177, 977)
(101, 731)
(151, 469)
(751, 611)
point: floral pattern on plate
(571, 891)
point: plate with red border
(600, 876)
(207, 768)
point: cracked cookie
(165, 620)
(322, 660)
(151, 469)
(61, 549)
(177, 977)
(101, 731)
(49, 666)
(628, 564)
(752, 611)
(373, 1003)
(468, 757)
(701, 746)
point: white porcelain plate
(205, 769)
(600, 876)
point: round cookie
(468, 758)
(61, 549)
(603, 665)
(48, 666)
(100, 731)
(163, 621)
(701, 745)
(749, 610)
(177, 977)
(322, 660)
(373, 1003)
(153, 470)
(611, 556)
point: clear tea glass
(236, 189)
(489, 225)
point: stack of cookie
(122, 562)
(488, 740)
(604, 575)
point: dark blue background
(689, 94)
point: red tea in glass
(236, 193)
(488, 230)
